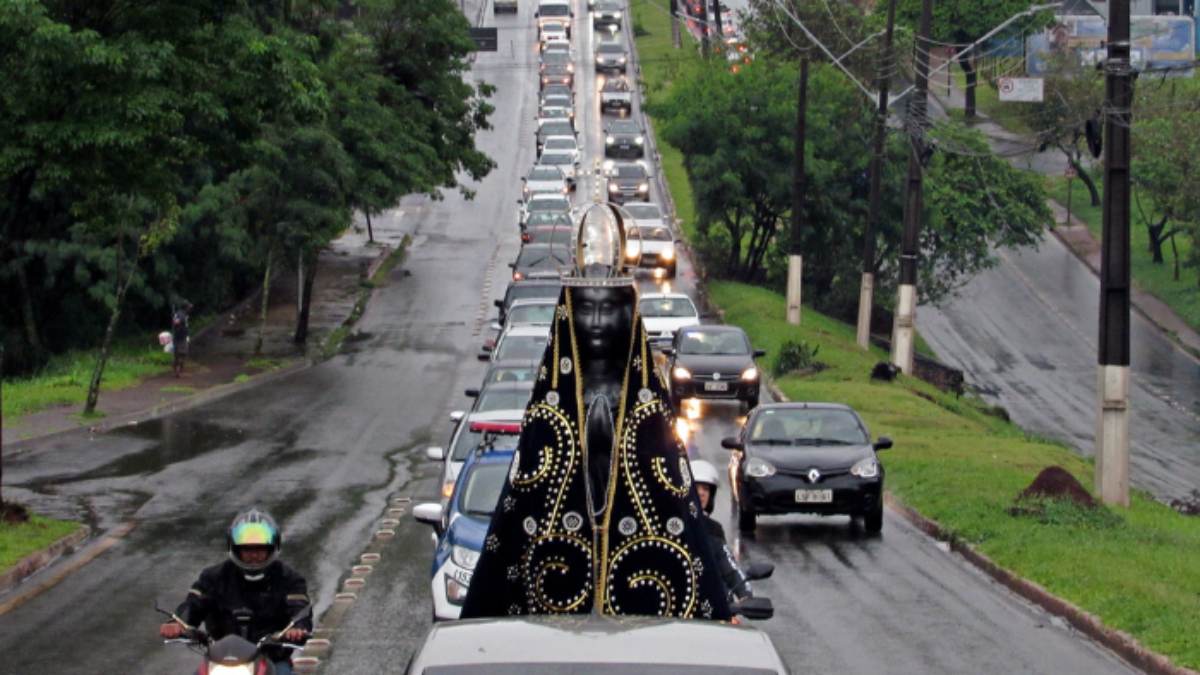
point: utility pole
(867, 290)
(906, 302)
(1112, 428)
(795, 261)
(674, 8)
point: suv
(557, 12)
(616, 95)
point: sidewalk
(222, 359)
(1022, 153)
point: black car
(607, 13)
(624, 138)
(806, 458)
(628, 181)
(535, 260)
(558, 73)
(529, 288)
(713, 361)
(611, 57)
(553, 128)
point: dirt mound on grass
(1056, 482)
(13, 514)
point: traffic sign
(1024, 89)
(486, 39)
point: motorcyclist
(704, 475)
(253, 579)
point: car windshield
(554, 10)
(548, 218)
(512, 373)
(556, 101)
(557, 204)
(502, 400)
(539, 313)
(543, 257)
(527, 290)
(808, 426)
(666, 307)
(643, 211)
(624, 127)
(557, 128)
(654, 233)
(629, 171)
(561, 143)
(468, 440)
(611, 48)
(545, 173)
(616, 84)
(549, 113)
(550, 235)
(557, 158)
(482, 488)
(715, 343)
(607, 6)
(522, 347)
(557, 58)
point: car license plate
(716, 386)
(462, 576)
(814, 496)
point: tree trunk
(370, 232)
(266, 301)
(301, 335)
(1174, 253)
(1093, 193)
(1155, 235)
(967, 63)
(31, 331)
(105, 347)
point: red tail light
(496, 427)
(525, 238)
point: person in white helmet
(704, 476)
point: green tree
(1073, 98)
(1165, 170)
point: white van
(557, 12)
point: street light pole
(795, 261)
(867, 289)
(1112, 428)
(906, 302)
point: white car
(544, 203)
(653, 247)
(665, 313)
(555, 33)
(564, 160)
(645, 214)
(547, 113)
(544, 178)
(563, 144)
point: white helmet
(704, 472)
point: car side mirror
(429, 513)
(731, 443)
(435, 452)
(754, 608)
(519, 201)
(883, 443)
(759, 353)
(457, 416)
(472, 393)
(498, 303)
(759, 570)
(512, 266)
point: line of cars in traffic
(700, 361)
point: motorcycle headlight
(639, 140)
(681, 373)
(464, 557)
(759, 468)
(643, 187)
(609, 140)
(750, 374)
(866, 468)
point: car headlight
(750, 374)
(759, 468)
(866, 468)
(570, 67)
(668, 253)
(639, 140)
(456, 592)
(609, 140)
(681, 373)
(632, 249)
(643, 187)
(613, 187)
(617, 15)
(464, 557)
(621, 60)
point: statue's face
(603, 321)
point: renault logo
(716, 377)
(814, 475)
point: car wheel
(747, 520)
(873, 519)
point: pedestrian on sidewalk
(179, 335)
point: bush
(794, 356)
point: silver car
(595, 644)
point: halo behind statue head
(600, 248)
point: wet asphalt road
(326, 449)
(1025, 332)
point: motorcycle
(233, 654)
(756, 608)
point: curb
(39, 560)
(1120, 643)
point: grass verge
(1182, 295)
(64, 380)
(333, 343)
(956, 464)
(18, 541)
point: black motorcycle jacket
(223, 592)
(735, 580)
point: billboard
(1157, 41)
